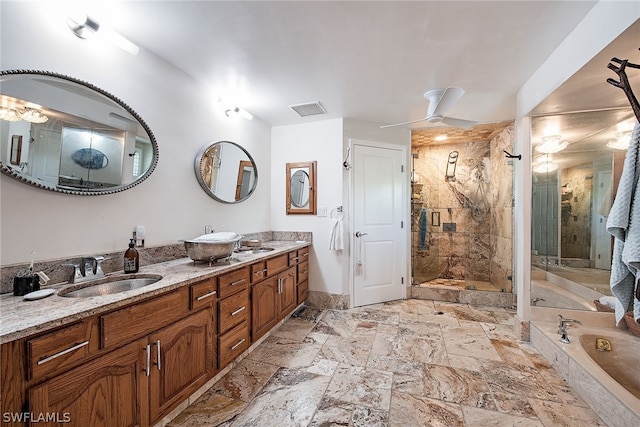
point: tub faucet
(562, 328)
(536, 300)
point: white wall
(606, 21)
(320, 142)
(170, 203)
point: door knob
(359, 234)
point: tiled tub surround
(21, 318)
(113, 261)
(613, 403)
(405, 363)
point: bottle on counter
(131, 259)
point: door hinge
(402, 168)
(401, 224)
(402, 280)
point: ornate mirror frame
(120, 110)
(301, 188)
(226, 176)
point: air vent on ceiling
(309, 109)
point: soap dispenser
(131, 259)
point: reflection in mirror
(62, 134)
(301, 188)
(577, 162)
(226, 172)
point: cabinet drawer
(293, 258)
(303, 254)
(122, 326)
(232, 344)
(61, 349)
(232, 282)
(258, 271)
(203, 293)
(277, 264)
(303, 291)
(233, 310)
(303, 271)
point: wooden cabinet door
(111, 390)
(288, 292)
(182, 359)
(264, 310)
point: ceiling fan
(441, 101)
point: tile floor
(404, 363)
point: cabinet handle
(279, 285)
(233, 313)
(306, 271)
(158, 354)
(148, 367)
(233, 347)
(201, 297)
(237, 282)
(62, 353)
(295, 258)
(260, 272)
(305, 254)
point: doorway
(379, 270)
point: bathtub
(554, 295)
(593, 374)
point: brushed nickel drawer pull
(294, 258)
(233, 313)
(62, 353)
(233, 347)
(237, 282)
(259, 272)
(306, 271)
(148, 367)
(158, 354)
(201, 297)
(305, 254)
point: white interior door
(379, 227)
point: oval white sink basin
(110, 285)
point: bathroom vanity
(133, 357)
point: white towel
(624, 224)
(335, 235)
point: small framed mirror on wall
(301, 188)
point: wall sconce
(84, 27)
(237, 111)
(450, 172)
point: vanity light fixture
(85, 26)
(621, 142)
(237, 111)
(552, 144)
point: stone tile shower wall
(479, 201)
(575, 216)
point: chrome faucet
(536, 300)
(90, 268)
(562, 328)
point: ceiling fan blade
(451, 95)
(400, 124)
(459, 123)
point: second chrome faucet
(562, 328)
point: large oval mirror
(62, 134)
(226, 172)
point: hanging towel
(335, 235)
(423, 228)
(623, 224)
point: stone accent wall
(575, 229)
(479, 200)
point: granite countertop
(21, 318)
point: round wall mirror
(61, 134)
(226, 172)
